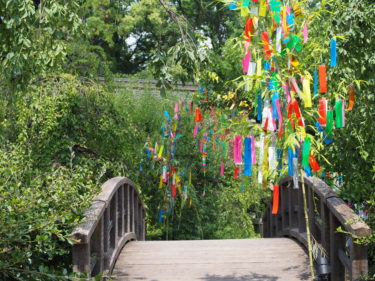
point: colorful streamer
(275, 200)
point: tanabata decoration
(275, 200)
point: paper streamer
(246, 62)
(339, 114)
(306, 152)
(305, 33)
(316, 82)
(165, 169)
(329, 126)
(222, 167)
(322, 111)
(279, 159)
(307, 171)
(259, 108)
(290, 162)
(262, 8)
(295, 173)
(351, 98)
(237, 149)
(160, 155)
(196, 128)
(278, 39)
(198, 115)
(232, 5)
(322, 78)
(248, 29)
(306, 93)
(333, 52)
(253, 154)
(275, 201)
(314, 164)
(247, 157)
(280, 118)
(259, 67)
(252, 68)
(236, 172)
(266, 45)
(261, 155)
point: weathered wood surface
(273, 259)
(327, 212)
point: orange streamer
(351, 98)
(275, 202)
(322, 78)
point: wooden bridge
(111, 241)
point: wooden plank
(280, 259)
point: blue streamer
(279, 159)
(247, 157)
(316, 82)
(308, 171)
(166, 114)
(232, 6)
(333, 53)
(161, 213)
(266, 66)
(290, 21)
(275, 97)
(260, 108)
(318, 127)
(148, 153)
(290, 162)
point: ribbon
(313, 163)
(333, 52)
(275, 201)
(222, 167)
(306, 152)
(237, 149)
(322, 78)
(339, 114)
(198, 115)
(247, 157)
(322, 111)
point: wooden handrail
(327, 211)
(115, 217)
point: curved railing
(327, 211)
(115, 217)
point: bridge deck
(271, 259)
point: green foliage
(33, 36)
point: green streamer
(338, 108)
(329, 125)
(306, 152)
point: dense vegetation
(62, 135)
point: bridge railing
(115, 217)
(327, 212)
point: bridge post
(358, 260)
(336, 243)
(81, 258)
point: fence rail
(115, 217)
(327, 212)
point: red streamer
(266, 45)
(236, 171)
(248, 29)
(313, 163)
(322, 111)
(275, 202)
(322, 78)
(198, 115)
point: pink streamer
(253, 155)
(305, 33)
(246, 62)
(237, 149)
(195, 130)
(343, 113)
(176, 107)
(287, 92)
(222, 169)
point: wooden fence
(327, 212)
(115, 217)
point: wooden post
(336, 243)
(127, 208)
(98, 247)
(136, 216)
(120, 211)
(358, 260)
(131, 209)
(106, 238)
(81, 258)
